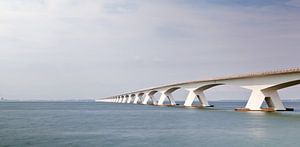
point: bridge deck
(251, 75)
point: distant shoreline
(89, 100)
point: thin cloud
(73, 48)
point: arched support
(196, 93)
(153, 100)
(149, 96)
(146, 99)
(260, 94)
(165, 95)
(129, 99)
(132, 98)
(124, 99)
(137, 98)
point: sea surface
(90, 124)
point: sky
(66, 49)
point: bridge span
(264, 87)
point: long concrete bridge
(264, 87)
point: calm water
(126, 125)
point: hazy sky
(62, 49)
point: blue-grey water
(91, 124)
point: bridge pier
(129, 99)
(149, 96)
(260, 94)
(165, 95)
(146, 99)
(132, 98)
(124, 99)
(194, 93)
(153, 100)
(137, 98)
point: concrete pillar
(146, 99)
(165, 95)
(259, 94)
(149, 96)
(129, 99)
(132, 98)
(153, 100)
(194, 93)
(190, 98)
(137, 98)
(124, 99)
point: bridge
(264, 87)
